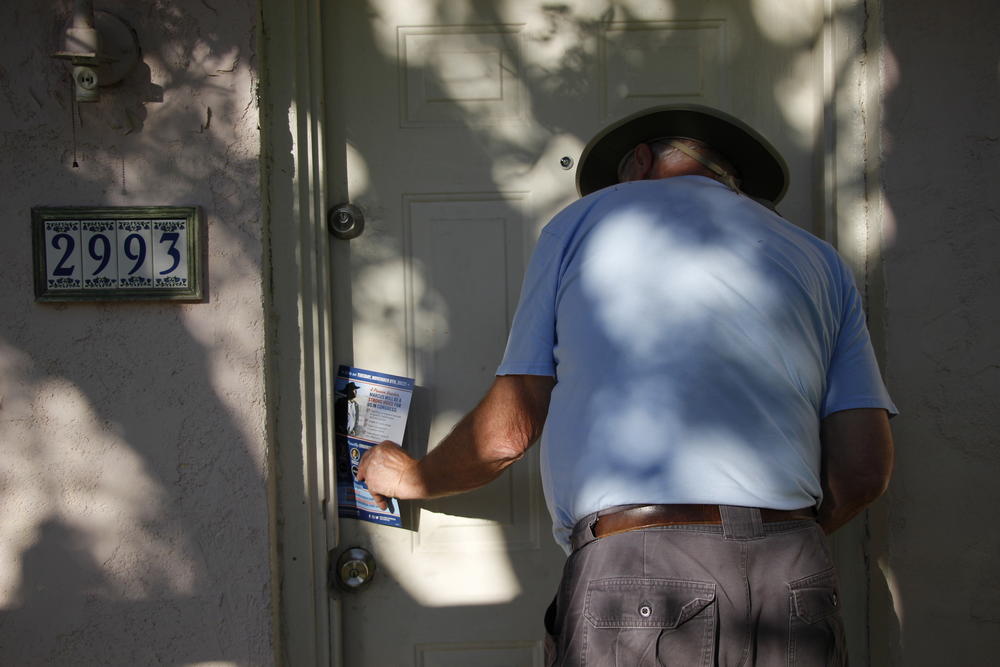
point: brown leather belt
(658, 516)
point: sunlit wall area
(134, 523)
(941, 166)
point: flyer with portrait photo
(370, 407)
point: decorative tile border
(117, 253)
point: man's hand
(388, 472)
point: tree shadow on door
(515, 99)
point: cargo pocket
(633, 621)
(816, 629)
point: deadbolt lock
(354, 569)
(345, 221)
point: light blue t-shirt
(697, 339)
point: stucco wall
(941, 174)
(133, 499)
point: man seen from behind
(710, 400)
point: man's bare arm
(857, 458)
(494, 435)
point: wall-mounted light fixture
(102, 48)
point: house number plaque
(120, 253)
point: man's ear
(643, 164)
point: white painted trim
(843, 200)
(299, 367)
(883, 624)
(852, 153)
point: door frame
(299, 367)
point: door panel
(453, 73)
(694, 50)
(451, 125)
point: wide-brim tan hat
(762, 170)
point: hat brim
(762, 170)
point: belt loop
(583, 532)
(741, 523)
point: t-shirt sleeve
(853, 379)
(532, 338)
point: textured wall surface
(941, 175)
(133, 498)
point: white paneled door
(455, 127)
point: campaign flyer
(370, 407)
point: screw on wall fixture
(566, 162)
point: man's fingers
(380, 469)
(375, 454)
(362, 468)
(381, 501)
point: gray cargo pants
(740, 593)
